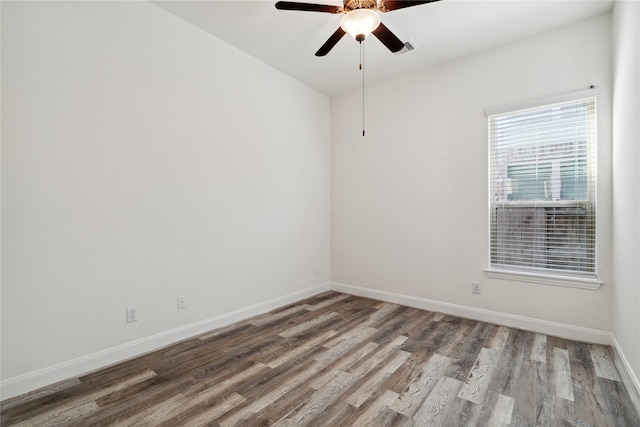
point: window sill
(545, 279)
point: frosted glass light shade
(360, 22)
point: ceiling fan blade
(389, 5)
(393, 43)
(308, 7)
(331, 42)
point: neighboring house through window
(542, 178)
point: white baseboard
(561, 330)
(626, 373)
(18, 385)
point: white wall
(143, 159)
(626, 181)
(409, 200)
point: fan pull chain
(362, 69)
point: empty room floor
(340, 360)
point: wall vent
(408, 47)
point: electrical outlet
(132, 314)
(182, 302)
(315, 270)
(475, 287)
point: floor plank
(432, 410)
(411, 399)
(539, 349)
(562, 374)
(477, 382)
(501, 414)
(602, 363)
(373, 381)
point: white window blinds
(542, 184)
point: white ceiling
(440, 32)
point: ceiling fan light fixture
(360, 23)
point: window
(542, 186)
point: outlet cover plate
(475, 288)
(182, 302)
(132, 314)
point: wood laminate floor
(339, 360)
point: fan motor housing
(350, 5)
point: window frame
(586, 280)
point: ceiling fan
(360, 19)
